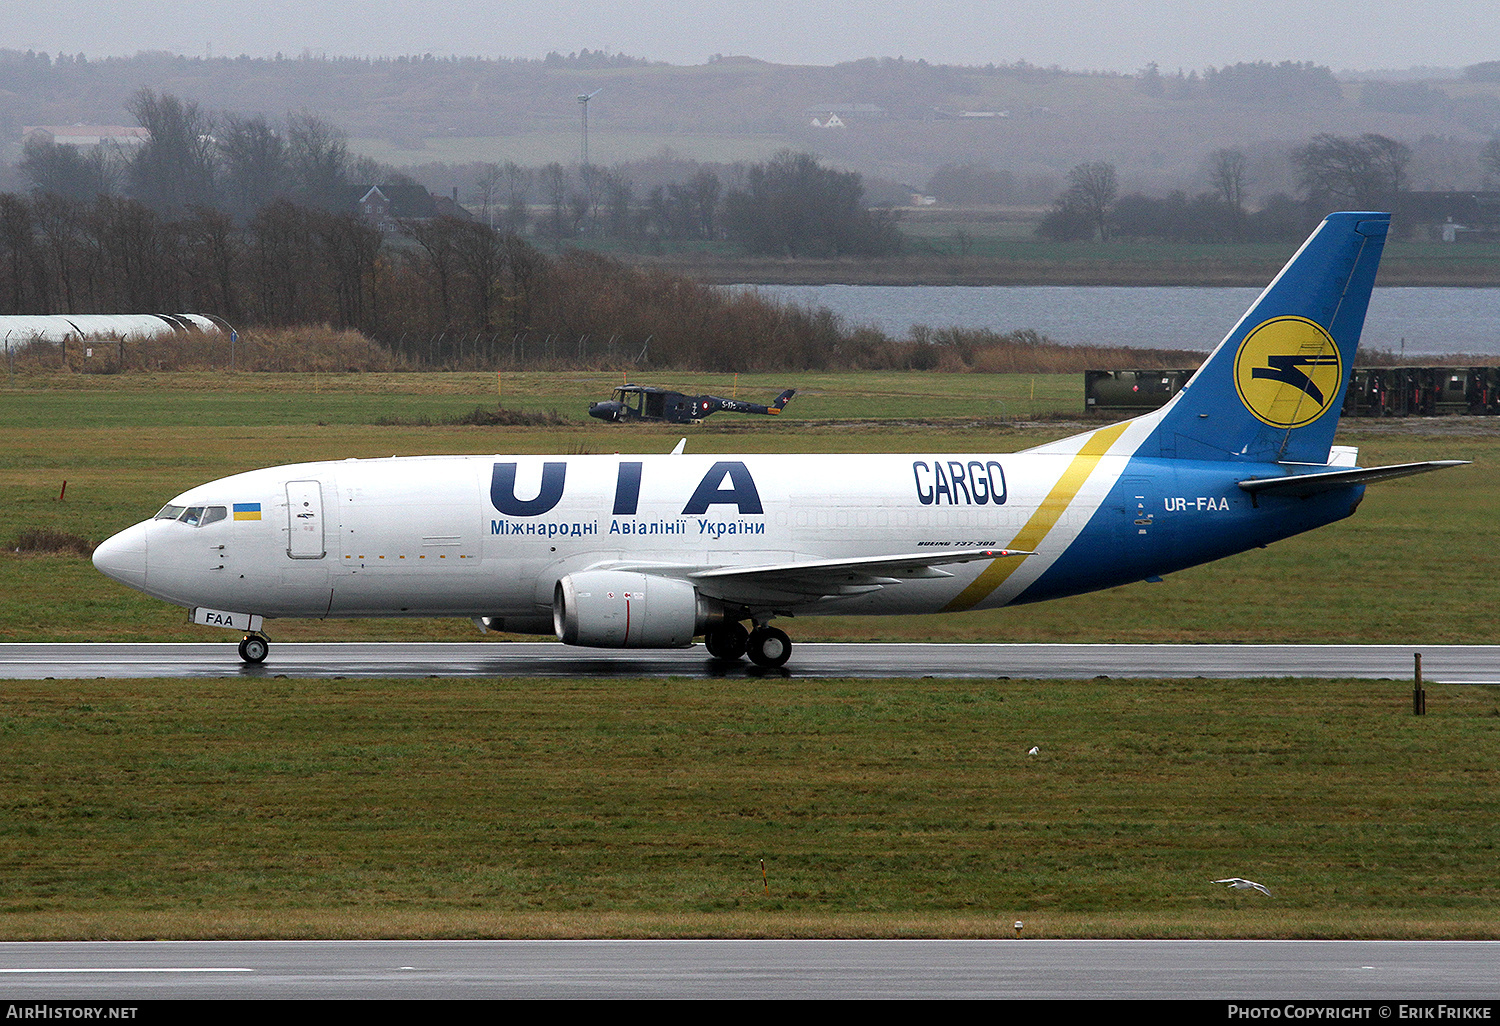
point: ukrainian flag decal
(247, 511)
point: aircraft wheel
(727, 641)
(769, 647)
(254, 649)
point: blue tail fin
(1272, 390)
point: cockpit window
(194, 516)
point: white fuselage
(425, 536)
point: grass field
(533, 149)
(1010, 235)
(503, 808)
(643, 808)
(126, 443)
(999, 246)
(1410, 567)
(938, 257)
(212, 400)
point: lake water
(1416, 322)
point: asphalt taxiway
(1467, 664)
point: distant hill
(894, 120)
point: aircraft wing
(819, 578)
(1303, 485)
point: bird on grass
(1239, 883)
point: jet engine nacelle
(622, 609)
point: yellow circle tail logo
(1288, 372)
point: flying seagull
(1239, 883)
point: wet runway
(1476, 664)
(1371, 973)
(1378, 975)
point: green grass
(444, 808)
(1411, 566)
(210, 401)
(644, 808)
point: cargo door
(1148, 530)
(1138, 508)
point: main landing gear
(767, 646)
(255, 648)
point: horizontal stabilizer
(1302, 485)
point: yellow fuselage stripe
(1042, 521)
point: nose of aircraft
(123, 557)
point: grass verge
(556, 808)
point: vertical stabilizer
(1272, 390)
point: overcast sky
(1123, 35)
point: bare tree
(705, 190)
(18, 253)
(1092, 190)
(555, 182)
(585, 200)
(481, 253)
(59, 221)
(210, 251)
(1228, 173)
(438, 238)
(792, 205)
(66, 172)
(285, 268)
(518, 190)
(257, 165)
(130, 255)
(1389, 160)
(1359, 172)
(619, 196)
(490, 177)
(350, 251)
(174, 169)
(320, 161)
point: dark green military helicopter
(646, 402)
